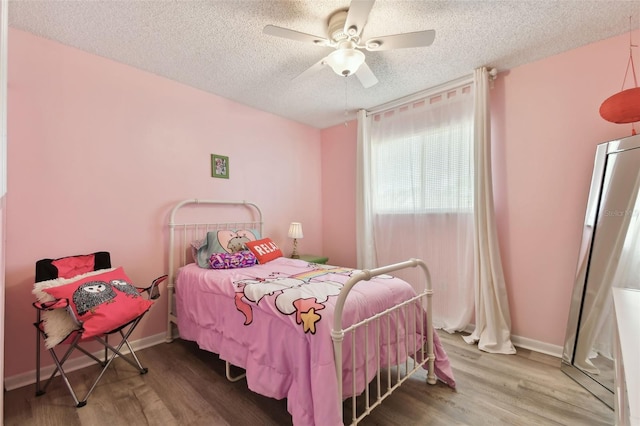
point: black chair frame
(46, 271)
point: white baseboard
(526, 343)
(29, 378)
(537, 346)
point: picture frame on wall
(219, 166)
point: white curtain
(422, 166)
(364, 216)
(416, 196)
(492, 318)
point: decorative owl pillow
(103, 301)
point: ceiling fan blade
(311, 70)
(295, 35)
(366, 77)
(400, 41)
(357, 16)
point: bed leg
(431, 375)
(228, 373)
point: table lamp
(295, 232)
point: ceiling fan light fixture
(344, 34)
(345, 61)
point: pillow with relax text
(265, 250)
(102, 301)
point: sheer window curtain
(416, 198)
(416, 183)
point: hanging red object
(623, 107)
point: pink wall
(546, 126)
(99, 153)
(339, 193)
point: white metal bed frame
(191, 231)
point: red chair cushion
(69, 267)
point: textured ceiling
(218, 46)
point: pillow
(57, 323)
(195, 246)
(241, 259)
(224, 241)
(103, 301)
(265, 250)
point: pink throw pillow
(102, 302)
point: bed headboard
(190, 220)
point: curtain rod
(421, 95)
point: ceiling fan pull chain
(346, 109)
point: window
(423, 170)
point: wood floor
(186, 386)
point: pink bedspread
(274, 320)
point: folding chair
(80, 299)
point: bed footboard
(419, 355)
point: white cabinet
(627, 310)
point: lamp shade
(345, 61)
(295, 230)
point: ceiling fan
(344, 30)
